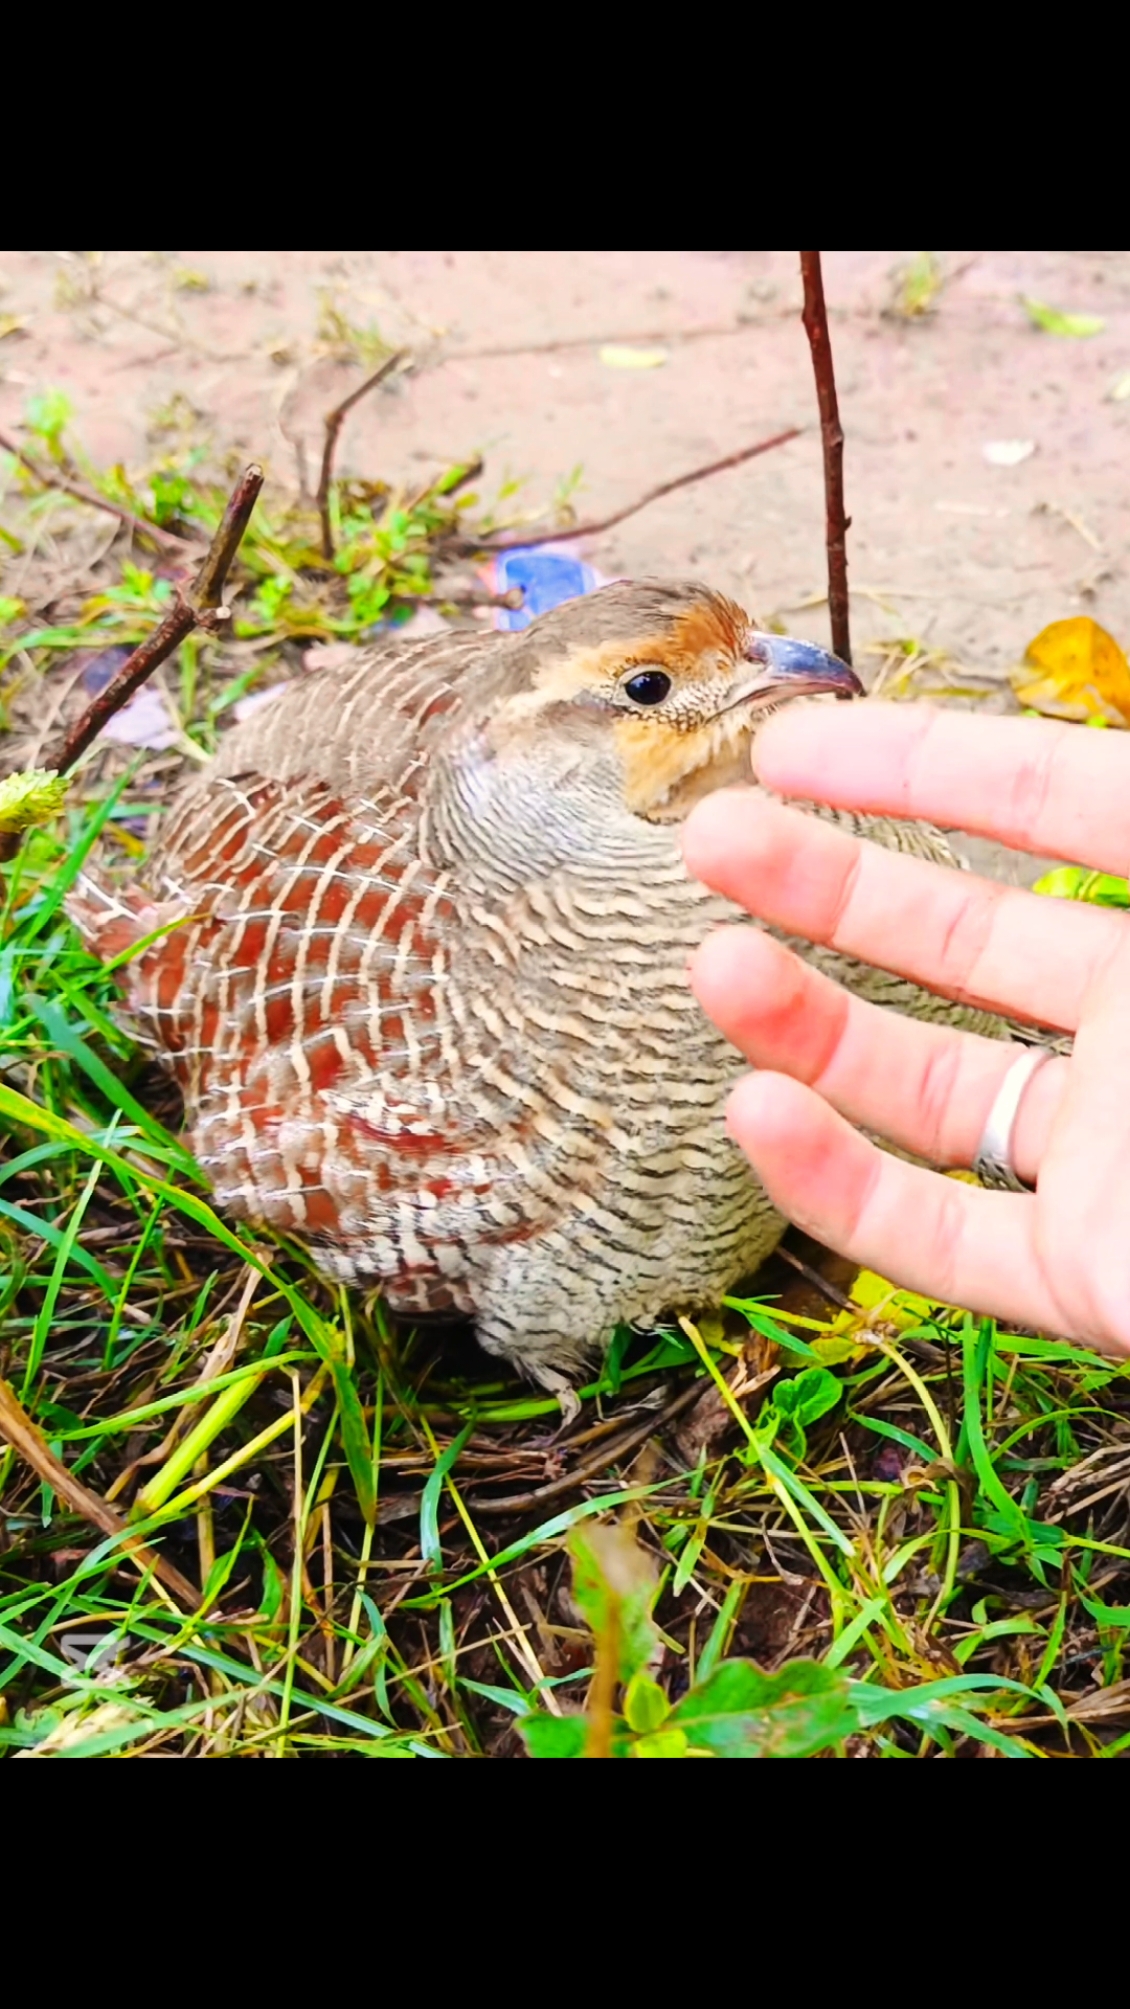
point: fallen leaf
(10, 324)
(144, 721)
(1120, 388)
(1075, 670)
(1055, 323)
(1008, 452)
(617, 356)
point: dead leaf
(1008, 452)
(78, 1730)
(710, 1418)
(618, 356)
(144, 721)
(1075, 670)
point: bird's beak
(783, 668)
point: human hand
(1056, 1259)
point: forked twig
(333, 422)
(199, 607)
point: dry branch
(29, 1444)
(333, 423)
(200, 607)
(524, 540)
(831, 433)
(51, 478)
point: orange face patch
(710, 627)
(665, 768)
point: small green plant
(732, 1708)
(48, 416)
(917, 286)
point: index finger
(1034, 784)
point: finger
(927, 1088)
(1034, 784)
(1085, 1170)
(948, 1241)
(962, 936)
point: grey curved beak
(781, 666)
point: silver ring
(993, 1163)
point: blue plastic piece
(546, 577)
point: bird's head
(669, 682)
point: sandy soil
(970, 557)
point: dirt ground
(968, 556)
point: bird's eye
(649, 687)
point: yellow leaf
(899, 1307)
(1074, 669)
(29, 798)
(833, 1348)
(617, 356)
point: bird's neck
(534, 811)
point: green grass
(894, 1529)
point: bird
(415, 943)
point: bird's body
(423, 978)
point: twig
(831, 1291)
(923, 1347)
(520, 1503)
(51, 479)
(28, 1443)
(170, 333)
(200, 607)
(706, 331)
(333, 423)
(831, 433)
(513, 598)
(524, 539)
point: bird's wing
(292, 956)
(369, 725)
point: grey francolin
(424, 977)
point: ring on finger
(994, 1164)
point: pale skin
(1056, 1260)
